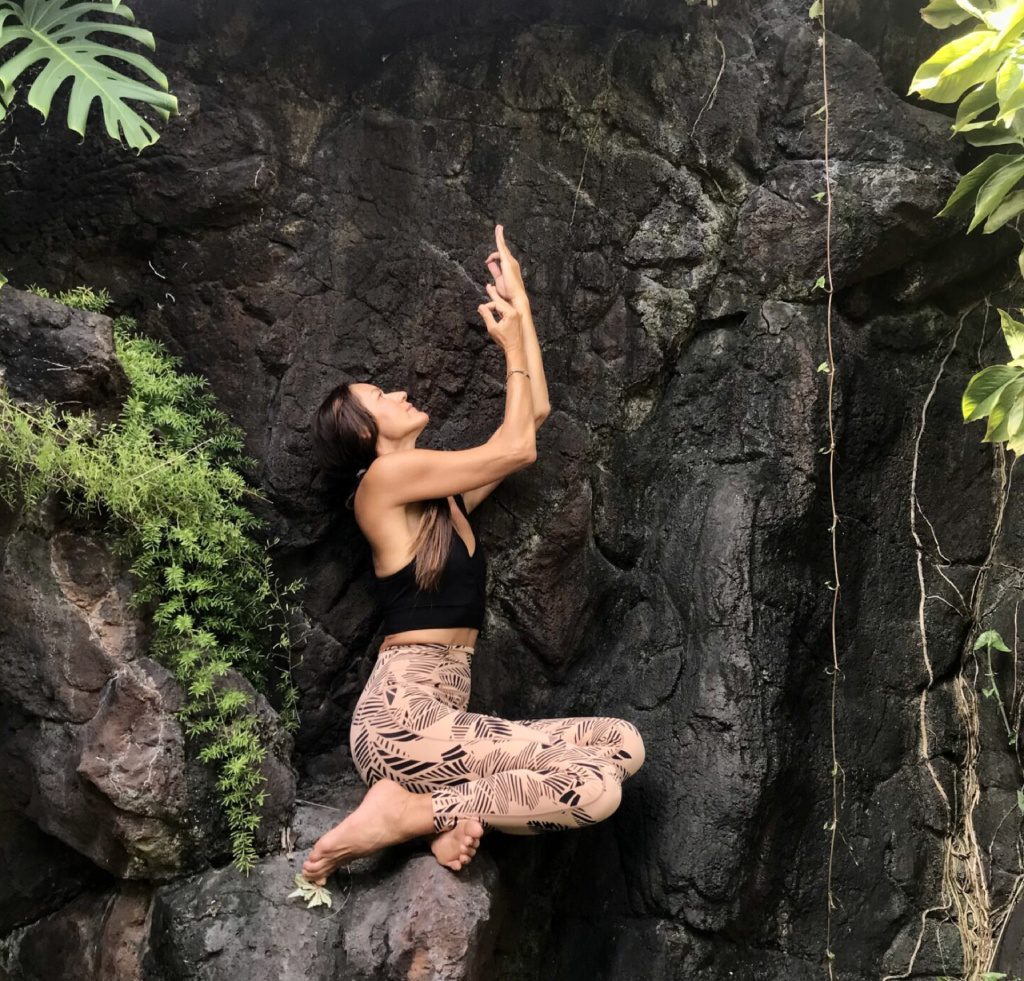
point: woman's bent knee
(632, 752)
(607, 802)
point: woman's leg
(613, 739)
(561, 788)
(513, 777)
(411, 726)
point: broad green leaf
(1011, 96)
(997, 429)
(1013, 332)
(1014, 419)
(984, 389)
(1016, 444)
(975, 103)
(962, 199)
(946, 13)
(1008, 20)
(6, 98)
(1009, 79)
(815, 10)
(1011, 206)
(957, 66)
(61, 38)
(992, 192)
(995, 134)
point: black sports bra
(457, 602)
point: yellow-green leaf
(992, 192)
(961, 200)
(994, 134)
(946, 13)
(956, 66)
(984, 389)
(1013, 332)
(974, 103)
(1011, 206)
(1008, 20)
(1009, 79)
(997, 430)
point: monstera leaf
(60, 36)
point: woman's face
(396, 416)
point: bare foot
(455, 848)
(385, 817)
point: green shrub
(167, 481)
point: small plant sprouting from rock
(79, 297)
(167, 481)
(316, 895)
(991, 639)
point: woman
(432, 767)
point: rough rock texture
(93, 751)
(321, 209)
(395, 915)
(49, 351)
(96, 935)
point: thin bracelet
(514, 370)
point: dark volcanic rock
(321, 210)
(49, 351)
(97, 935)
(96, 755)
(405, 919)
(40, 873)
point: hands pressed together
(507, 293)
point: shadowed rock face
(321, 209)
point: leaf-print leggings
(521, 777)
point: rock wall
(321, 209)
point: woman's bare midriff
(466, 636)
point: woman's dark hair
(344, 437)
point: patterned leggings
(526, 777)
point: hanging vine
(817, 12)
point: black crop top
(457, 602)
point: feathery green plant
(166, 478)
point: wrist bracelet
(514, 370)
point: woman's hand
(503, 266)
(508, 332)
